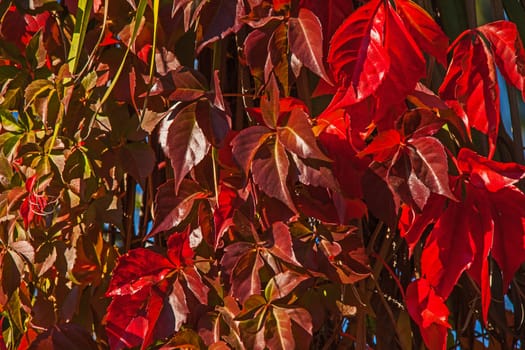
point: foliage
(258, 174)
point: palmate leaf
(471, 86)
(150, 294)
(471, 79)
(413, 164)
(482, 223)
(368, 56)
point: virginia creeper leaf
(430, 313)
(297, 136)
(508, 51)
(270, 172)
(246, 144)
(471, 85)
(425, 31)
(186, 143)
(306, 38)
(357, 55)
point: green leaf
(6, 172)
(36, 52)
(35, 89)
(79, 33)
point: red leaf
(305, 38)
(508, 50)
(186, 143)
(368, 56)
(425, 31)
(430, 313)
(509, 231)
(179, 250)
(413, 225)
(270, 172)
(228, 202)
(482, 227)
(125, 325)
(136, 270)
(383, 146)
(471, 81)
(357, 55)
(487, 173)
(449, 249)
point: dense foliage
(256, 174)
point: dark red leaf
(217, 19)
(279, 332)
(186, 144)
(305, 37)
(170, 208)
(195, 284)
(246, 144)
(297, 136)
(331, 13)
(245, 277)
(430, 313)
(178, 305)
(270, 172)
(430, 165)
(270, 103)
(282, 243)
(64, 336)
